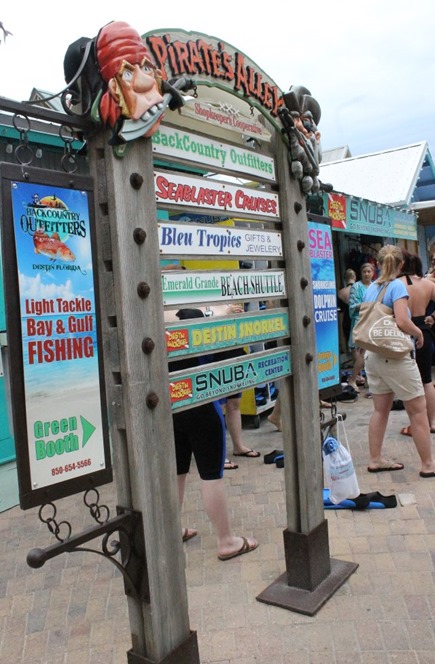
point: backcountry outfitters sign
(61, 389)
(178, 144)
(210, 60)
(202, 193)
(211, 382)
(189, 239)
(187, 287)
(203, 336)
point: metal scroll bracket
(130, 543)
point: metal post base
(312, 577)
(186, 653)
(279, 593)
(307, 557)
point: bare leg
(358, 365)
(187, 533)
(275, 416)
(377, 426)
(429, 392)
(215, 504)
(233, 418)
(417, 413)
(181, 487)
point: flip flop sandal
(386, 467)
(245, 548)
(188, 533)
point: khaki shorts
(399, 376)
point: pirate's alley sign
(128, 82)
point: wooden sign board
(186, 287)
(181, 190)
(216, 155)
(210, 382)
(210, 334)
(217, 241)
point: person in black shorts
(200, 432)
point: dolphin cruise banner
(325, 304)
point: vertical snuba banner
(61, 383)
(325, 304)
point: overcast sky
(370, 65)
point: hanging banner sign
(325, 304)
(179, 144)
(187, 287)
(224, 115)
(210, 382)
(172, 189)
(205, 335)
(217, 241)
(357, 215)
(57, 383)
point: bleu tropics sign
(205, 240)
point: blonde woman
(399, 377)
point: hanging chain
(23, 152)
(69, 158)
(100, 513)
(52, 525)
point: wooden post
(137, 384)
(311, 575)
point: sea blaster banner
(325, 304)
(62, 374)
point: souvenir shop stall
(359, 229)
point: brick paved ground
(73, 610)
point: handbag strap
(381, 292)
(340, 427)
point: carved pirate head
(133, 84)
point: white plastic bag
(338, 465)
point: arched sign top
(213, 62)
(129, 81)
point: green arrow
(88, 430)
